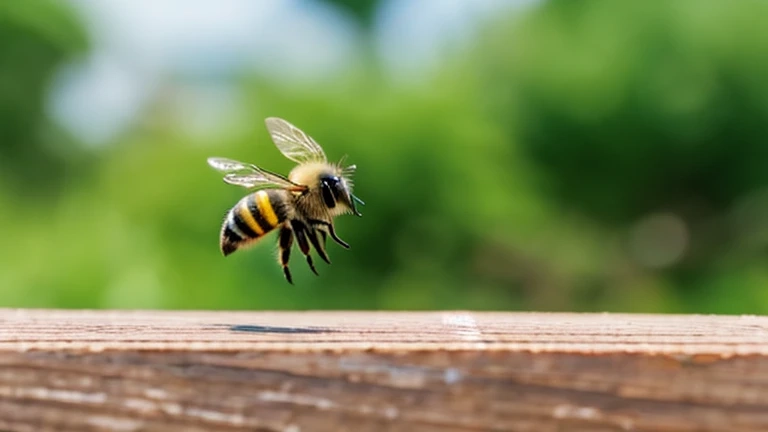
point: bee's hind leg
(301, 237)
(285, 241)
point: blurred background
(513, 155)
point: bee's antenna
(343, 158)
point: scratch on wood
(464, 326)
(315, 402)
(141, 405)
(452, 376)
(114, 424)
(590, 414)
(216, 416)
(156, 393)
(42, 393)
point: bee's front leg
(314, 238)
(331, 231)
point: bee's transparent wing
(225, 165)
(251, 181)
(250, 176)
(293, 142)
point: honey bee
(302, 205)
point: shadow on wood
(271, 329)
(360, 371)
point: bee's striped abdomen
(251, 218)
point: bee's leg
(285, 241)
(301, 237)
(314, 238)
(336, 238)
(324, 234)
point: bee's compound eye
(326, 189)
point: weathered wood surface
(355, 371)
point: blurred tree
(36, 38)
(363, 11)
(635, 107)
(631, 109)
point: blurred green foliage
(362, 10)
(36, 38)
(664, 99)
(580, 156)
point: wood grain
(362, 371)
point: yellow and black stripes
(258, 214)
(251, 218)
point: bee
(302, 205)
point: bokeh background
(513, 155)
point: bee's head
(336, 189)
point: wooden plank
(386, 371)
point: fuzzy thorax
(315, 203)
(308, 174)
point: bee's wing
(224, 165)
(293, 142)
(250, 176)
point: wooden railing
(359, 371)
